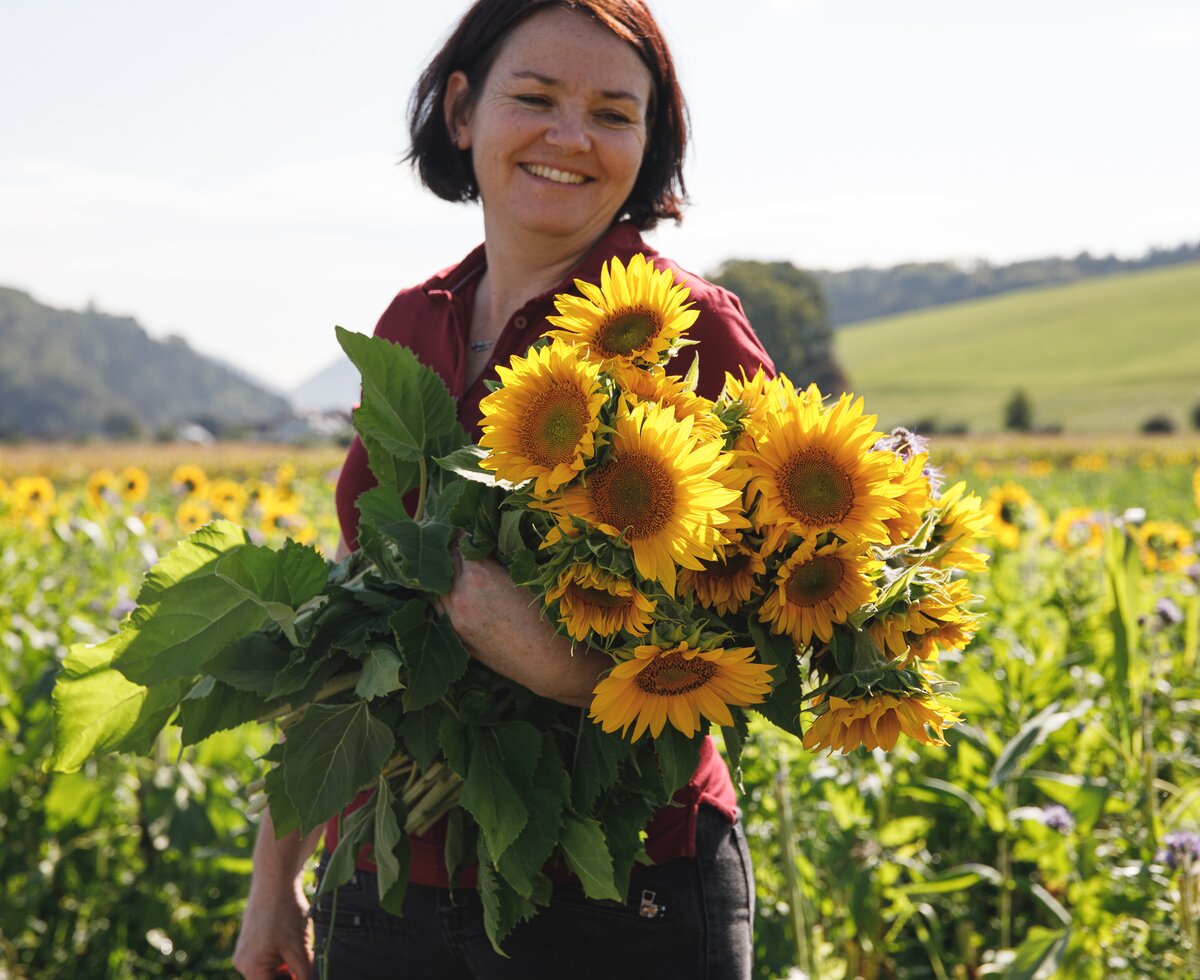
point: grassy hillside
(1096, 356)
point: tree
(787, 308)
(1018, 413)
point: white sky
(227, 171)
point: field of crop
(1050, 835)
(1101, 355)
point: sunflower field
(1058, 834)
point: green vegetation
(1097, 356)
(65, 374)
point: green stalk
(285, 716)
(787, 838)
(1006, 871)
(424, 479)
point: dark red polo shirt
(433, 320)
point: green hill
(1102, 355)
(65, 374)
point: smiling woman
(565, 122)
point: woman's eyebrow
(554, 83)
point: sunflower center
(815, 581)
(674, 675)
(554, 424)
(628, 331)
(633, 491)
(730, 568)
(600, 598)
(1009, 512)
(815, 488)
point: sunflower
(817, 587)
(814, 470)
(1013, 511)
(659, 489)
(678, 683)
(591, 599)
(227, 497)
(877, 721)
(541, 425)
(1078, 529)
(729, 582)
(914, 498)
(961, 522)
(101, 488)
(189, 479)
(190, 515)
(636, 315)
(1164, 545)
(1196, 486)
(655, 385)
(761, 395)
(938, 619)
(133, 484)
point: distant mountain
(66, 374)
(865, 293)
(334, 388)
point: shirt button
(520, 322)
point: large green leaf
(221, 709)
(404, 404)
(252, 663)
(954, 879)
(503, 906)
(279, 581)
(678, 757)
(418, 732)
(1040, 954)
(391, 854)
(595, 767)
(98, 709)
(380, 672)
(330, 753)
(587, 855)
(436, 659)
(353, 832)
(1032, 734)
(522, 862)
(499, 779)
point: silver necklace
(479, 346)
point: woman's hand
(502, 627)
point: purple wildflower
(1168, 613)
(1179, 848)
(1058, 818)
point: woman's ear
(454, 109)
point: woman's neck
(522, 266)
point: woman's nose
(569, 133)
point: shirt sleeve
(727, 342)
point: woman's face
(558, 131)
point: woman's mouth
(551, 173)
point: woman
(564, 119)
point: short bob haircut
(659, 190)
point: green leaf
(436, 659)
(465, 461)
(509, 541)
(452, 737)
(587, 855)
(330, 753)
(678, 757)
(595, 767)
(950, 789)
(499, 778)
(954, 879)
(380, 673)
(352, 834)
(551, 787)
(404, 404)
(223, 708)
(734, 737)
(903, 830)
(284, 816)
(279, 581)
(1032, 734)
(98, 709)
(391, 854)
(778, 651)
(1040, 955)
(418, 731)
(251, 664)
(503, 907)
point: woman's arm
(501, 625)
(275, 923)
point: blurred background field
(1041, 839)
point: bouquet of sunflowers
(767, 551)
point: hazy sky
(228, 171)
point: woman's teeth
(549, 173)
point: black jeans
(688, 918)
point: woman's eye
(536, 100)
(615, 118)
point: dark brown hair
(659, 190)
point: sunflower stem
(424, 480)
